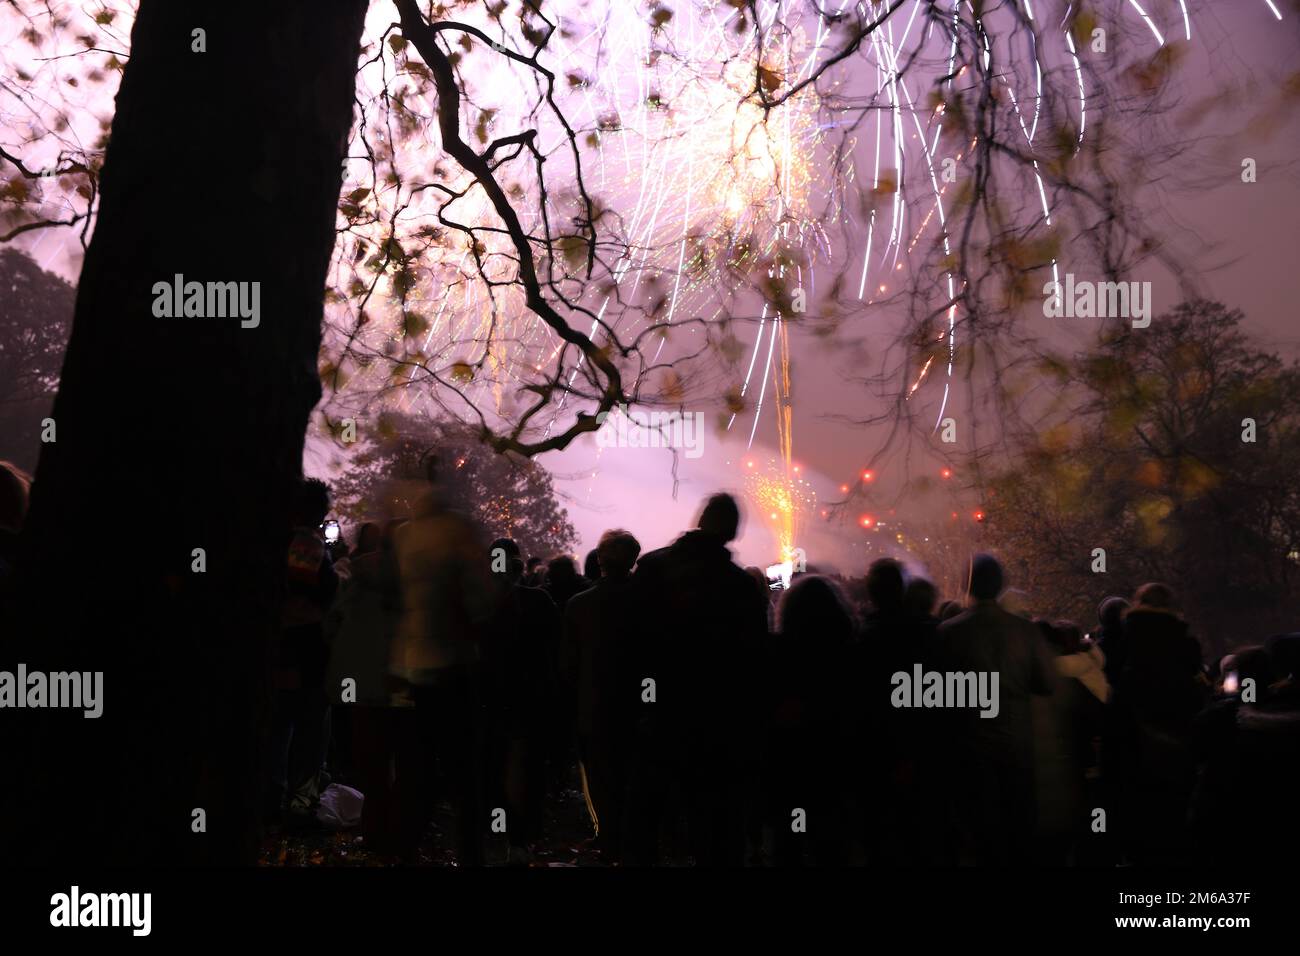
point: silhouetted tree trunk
(181, 433)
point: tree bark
(181, 433)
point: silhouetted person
(1110, 635)
(521, 697)
(446, 600)
(920, 598)
(759, 578)
(1249, 740)
(534, 573)
(949, 610)
(920, 625)
(928, 800)
(298, 740)
(340, 554)
(996, 788)
(1149, 761)
(702, 627)
(1066, 724)
(563, 580)
(807, 753)
(367, 728)
(755, 811)
(884, 631)
(886, 784)
(1159, 644)
(591, 566)
(338, 724)
(595, 664)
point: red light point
(868, 521)
(868, 476)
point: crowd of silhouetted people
(713, 719)
(708, 715)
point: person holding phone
(300, 706)
(340, 554)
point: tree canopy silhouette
(507, 494)
(35, 318)
(1176, 452)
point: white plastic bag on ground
(340, 807)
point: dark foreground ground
(566, 840)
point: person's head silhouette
(720, 517)
(985, 578)
(617, 552)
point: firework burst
(783, 499)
